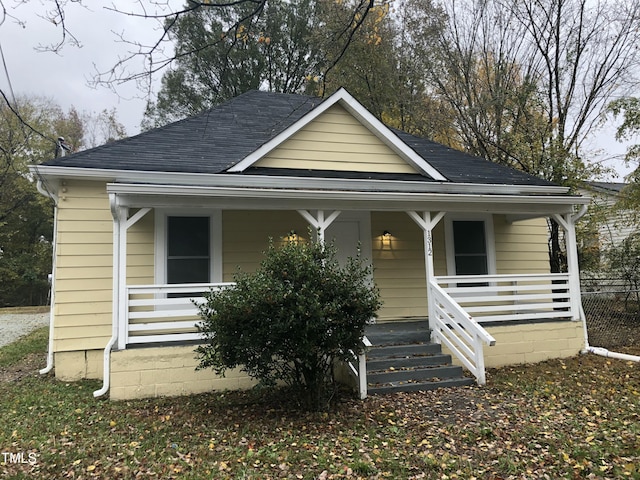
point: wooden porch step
(403, 359)
(403, 351)
(419, 386)
(375, 362)
(416, 374)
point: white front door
(348, 231)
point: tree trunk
(557, 257)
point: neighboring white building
(617, 226)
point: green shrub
(291, 320)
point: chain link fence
(612, 311)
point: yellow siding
(399, 269)
(83, 268)
(141, 251)
(84, 271)
(246, 236)
(521, 247)
(335, 141)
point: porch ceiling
(230, 198)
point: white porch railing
(452, 326)
(163, 313)
(500, 298)
(358, 367)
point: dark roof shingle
(207, 143)
(219, 138)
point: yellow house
(146, 224)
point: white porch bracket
(136, 217)
(124, 223)
(320, 223)
(568, 224)
(427, 224)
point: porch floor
(402, 332)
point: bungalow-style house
(145, 224)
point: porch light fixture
(386, 239)
(292, 236)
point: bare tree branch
(152, 56)
(57, 16)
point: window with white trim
(188, 249)
(188, 246)
(470, 246)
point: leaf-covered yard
(577, 418)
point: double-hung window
(470, 246)
(188, 249)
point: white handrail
(458, 330)
(360, 371)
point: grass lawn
(577, 418)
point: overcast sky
(65, 77)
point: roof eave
(171, 179)
(136, 195)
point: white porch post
(427, 224)
(121, 224)
(320, 222)
(120, 272)
(568, 223)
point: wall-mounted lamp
(292, 236)
(386, 239)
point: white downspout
(52, 286)
(603, 352)
(106, 368)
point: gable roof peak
(345, 99)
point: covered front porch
(419, 257)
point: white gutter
(278, 181)
(106, 367)
(52, 285)
(369, 197)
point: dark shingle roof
(207, 143)
(461, 167)
(612, 187)
(219, 138)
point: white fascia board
(274, 182)
(356, 109)
(371, 200)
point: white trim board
(183, 179)
(215, 239)
(489, 238)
